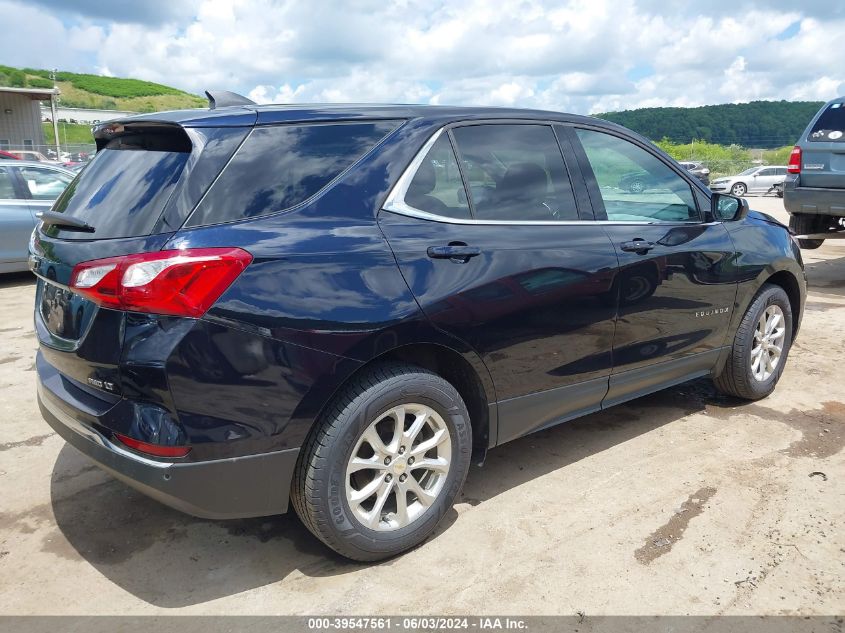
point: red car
(7, 156)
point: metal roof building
(20, 116)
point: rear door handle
(641, 247)
(455, 252)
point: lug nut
(386, 461)
(410, 461)
(388, 478)
(401, 450)
(403, 477)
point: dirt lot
(680, 502)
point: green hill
(763, 124)
(107, 93)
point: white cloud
(572, 56)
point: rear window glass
(123, 190)
(830, 125)
(279, 167)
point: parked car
(752, 180)
(697, 169)
(26, 188)
(321, 304)
(7, 156)
(814, 191)
(639, 180)
(77, 167)
(31, 155)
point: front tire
(385, 463)
(760, 347)
(739, 189)
(637, 185)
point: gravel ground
(680, 502)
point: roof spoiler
(225, 98)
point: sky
(582, 56)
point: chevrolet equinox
(345, 306)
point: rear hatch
(136, 192)
(823, 149)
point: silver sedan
(753, 180)
(26, 187)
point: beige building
(20, 116)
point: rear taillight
(794, 165)
(179, 282)
(158, 450)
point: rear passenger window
(437, 186)
(635, 185)
(282, 166)
(830, 126)
(515, 172)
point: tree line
(759, 124)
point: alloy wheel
(767, 349)
(399, 467)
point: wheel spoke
(401, 505)
(424, 496)
(423, 447)
(398, 415)
(417, 426)
(769, 365)
(357, 496)
(772, 323)
(437, 464)
(384, 490)
(372, 438)
(358, 463)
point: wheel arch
(463, 370)
(787, 280)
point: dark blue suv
(345, 306)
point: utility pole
(54, 98)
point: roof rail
(225, 98)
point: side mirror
(727, 208)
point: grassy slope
(69, 133)
(109, 93)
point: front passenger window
(635, 185)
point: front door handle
(457, 252)
(641, 247)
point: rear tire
(741, 376)
(360, 445)
(802, 224)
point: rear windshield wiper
(64, 221)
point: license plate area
(64, 313)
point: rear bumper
(814, 201)
(239, 487)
